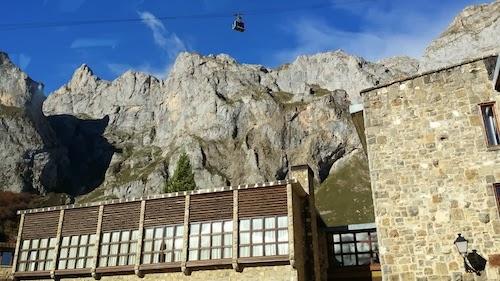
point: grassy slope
(345, 196)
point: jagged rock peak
(408, 66)
(472, 34)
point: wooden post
(97, 242)
(58, 244)
(236, 266)
(139, 240)
(291, 238)
(185, 238)
(18, 244)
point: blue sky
(373, 29)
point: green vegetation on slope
(345, 197)
(183, 178)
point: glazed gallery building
(259, 232)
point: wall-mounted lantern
(473, 262)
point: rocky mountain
(31, 158)
(238, 123)
(473, 33)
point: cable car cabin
(238, 24)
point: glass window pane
(135, 235)
(169, 244)
(193, 255)
(244, 251)
(63, 253)
(124, 248)
(193, 242)
(270, 223)
(84, 240)
(336, 248)
(158, 245)
(336, 238)
(228, 226)
(131, 259)
(26, 244)
(149, 233)
(82, 252)
(257, 251)
(349, 260)
(177, 255)
(24, 255)
(179, 231)
(159, 232)
(283, 235)
(257, 237)
(41, 254)
(91, 251)
(122, 260)
(283, 222)
(205, 254)
(178, 243)
(114, 249)
(364, 259)
(80, 263)
(348, 248)
(104, 249)
(132, 248)
(270, 236)
(51, 254)
(89, 262)
(346, 237)
(105, 237)
(52, 242)
(115, 236)
(363, 247)
(34, 243)
(65, 241)
(216, 241)
(363, 236)
(62, 264)
(228, 239)
(44, 243)
(270, 250)
(71, 263)
(245, 238)
(148, 246)
(92, 239)
(216, 253)
(217, 227)
(244, 225)
(194, 229)
(283, 249)
(228, 253)
(205, 228)
(146, 259)
(112, 261)
(205, 241)
(103, 261)
(125, 236)
(74, 241)
(167, 257)
(256, 224)
(72, 252)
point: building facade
(260, 232)
(434, 156)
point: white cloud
(386, 28)
(167, 41)
(21, 60)
(93, 42)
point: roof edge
(427, 73)
(158, 196)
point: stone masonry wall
(5, 273)
(432, 174)
(269, 273)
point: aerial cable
(277, 10)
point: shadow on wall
(89, 152)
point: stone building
(260, 232)
(434, 154)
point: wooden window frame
(210, 235)
(23, 265)
(130, 244)
(166, 252)
(263, 230)
(371, 242)
(86, 257)
(485, 130)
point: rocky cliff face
(473, 33)
(239, 123)
(31, 158)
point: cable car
(238, 24)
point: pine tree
(183, 178)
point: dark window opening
(490, 124)
(6, 258)
(497, 194)
(356, 247)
